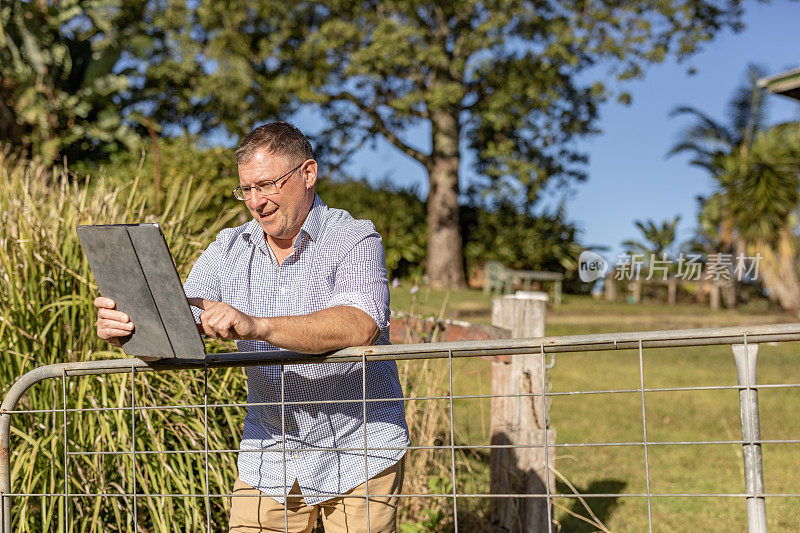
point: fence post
(520, 421)
(745, 356)
(714, 296)
(609, 287)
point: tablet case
(133, 266)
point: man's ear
(310, 174)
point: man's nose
(258, 201)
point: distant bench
(501, 280)
(724, 290)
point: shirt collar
(311, 226)
(313, 222)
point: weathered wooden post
(520, 421)
(609, 287)
(714, 296)
(636, 286)
(672, 290)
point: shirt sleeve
(203, 280)
(361, 282)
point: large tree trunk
(445, 266)
(778, 269)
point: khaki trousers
(348, 513)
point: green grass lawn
(671, 416)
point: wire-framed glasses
(245, 192)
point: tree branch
(378, 126)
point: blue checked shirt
(337, 260)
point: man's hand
(111, 324)
(223, 321)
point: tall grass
(46, 316)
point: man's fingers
(112, 333)
(108, 325)
(218, 319)
(104, 303)
(208, 330)
(217, 325)
(205, 324)
(112, 315)
(200, 303)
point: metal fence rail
(744, 342)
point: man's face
(282, 213)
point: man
(301, 277)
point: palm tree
(658, 239)
(761, 192)
(756, 171)
(708, 141)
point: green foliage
(762, 187)
(757, 171)
(507, 234)
(182, 160)
(438, 517)
(503, 76)
(504, 70)
(712, 144)
(62, 92)
(658, 240)
(707, 239)
(707, 141)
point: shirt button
(283, 289)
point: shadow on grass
(602, 508)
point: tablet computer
(133, 266)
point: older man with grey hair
(303, 277)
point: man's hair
(277, 138)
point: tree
(62, 90)
(707, 238)
(761, 192)
(658, 239)
(498, 78)
(708, 141)
(756, 172)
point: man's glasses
(245, 192)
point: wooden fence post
(714, 296)
(609, 287)
(520, 421)
(672, 290)
(637, 290)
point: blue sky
(629, 176)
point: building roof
(786, 83)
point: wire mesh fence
(656, 431)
